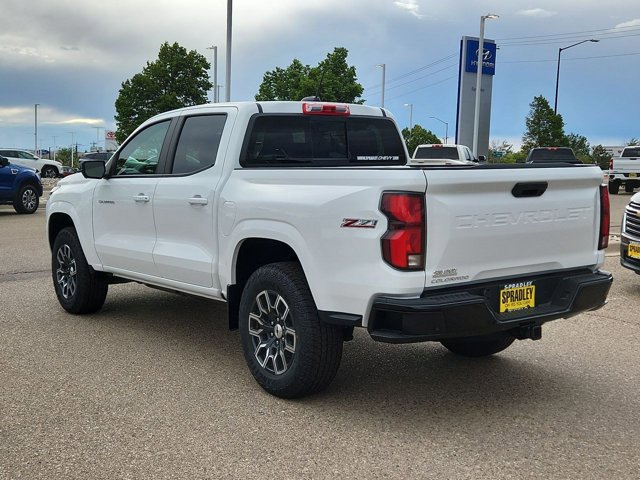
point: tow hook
(532, 332)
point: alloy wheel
(272, 332)
(66, 271)
(29, 199)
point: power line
(604, 30)
(560, 40)
(413, 72)
(426, 86)
(570, 59)
(414, 80)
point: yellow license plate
(633, 250)
(633, 175)
(517, 297)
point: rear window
(553, 155)
(437, 153)
(631, 152)
(315, 140)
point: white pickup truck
(433, 154)
(306, 220)
(625, 170)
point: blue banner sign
(488, 57)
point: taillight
(611, 164)
(325, 109)
(403, 245)
(605, 215)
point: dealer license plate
(633, 250)
(517, 296)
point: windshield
(436, 153)
(320, 140)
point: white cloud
(537, 13)
(411, 6)
(47, 115)
(631, 23)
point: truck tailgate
(491, 223)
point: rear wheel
(27, 200)
(613, 188)
(79, 288)
(628, 188)
(289, 351)
(480, 346)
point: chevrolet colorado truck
(625, 170)
(305, 218)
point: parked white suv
(47, 168)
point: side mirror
(93, 169)
(3, 161)
(482, 158)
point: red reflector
(403, 243)
(325, 109)
(605, 216)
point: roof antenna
(316, 98)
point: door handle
(141, 197)
(198, 200)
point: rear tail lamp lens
(605, 217)
(403, 244)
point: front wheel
(289, 351)
(49, 172)
(27, 200)
(480, 346)
(613, 188)
(79, 288)
(628, 188)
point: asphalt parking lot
(155, 386)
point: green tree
(544, 128)
(601, 156)
(633, 141)
(63, 155)
(418, 135)
(580, 146)
(176, 79)
(501, 146)
(336, 79)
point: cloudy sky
(71, 57)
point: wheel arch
(57, 222)
(251, 254)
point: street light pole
(215, 72)
(410, 105)
(36, 132)
(446, 129)
(228, 72)
(384, 68)
(555, 104)
(72, 133)
(476, 118)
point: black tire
(49, 171)
(79, 288)
(613, 188)
(289, 365)
(628, 188)
(479, 346)
(27, 200)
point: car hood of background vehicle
(21, 169)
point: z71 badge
(358, 223)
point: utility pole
(72, 133)
(228, 72)
(98, 138)
(54, 147)
(36, 113)
(479, 66)
(384, 69)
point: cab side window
(140, 156)
(198, 143)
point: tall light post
(72, 134)
(555, 104)
(227, 94)
(476, 118)
(446, 129)
(410, 105)
(54, 146)
(36, 132)
(215, 72)
(97, 138)
(384, 70)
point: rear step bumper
(473, 310)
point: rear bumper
(471, 311)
